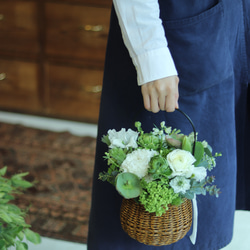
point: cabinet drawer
(18, 85)
(76, 31)
(74, 92)
(18, 27)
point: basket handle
(192, 124)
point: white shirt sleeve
(144, 37)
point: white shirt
(144, 37)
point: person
(165, 54)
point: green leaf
(208, 151)
(20, 235)
(5, 217)
(32, 236)
(199, 152)
(6, 199)
(21, 245)
(105, 139)
(21, 183)
(203, 164)
(189, 195)
(20, 175)
(3, 171)
(186, 144)
(2, 244)
(177, 201)
(1, 195)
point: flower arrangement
(158, 168)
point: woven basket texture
(149, 229)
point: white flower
(199, 173)
(204, 144)
(163, 124)
(180, 184)
(123, 138)
(181, 163)
(157, 131)
(168, 130)
(137, 162)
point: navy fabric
(208, 42)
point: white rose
(181, 163)
(137, 162)
(199, 173)
(123, 138)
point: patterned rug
(62, 164)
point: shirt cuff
(154, 65)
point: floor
(241, 239)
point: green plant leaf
(32, 236)
(20, 235)
(106, 140)
(2, 245)
(20, 175)
(21, 245)
(186, 144)
(2, 195)
(208, 150)
(4, 216)
(189, 195)
(3, 171)
(199, 152)
(21, 183)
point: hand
(161, 94)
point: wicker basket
(154, 230)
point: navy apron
(207, 40)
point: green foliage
(13, 227)
(114, 157)
(186, 144)
(199, 152)
(105, 139)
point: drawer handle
(1, 17)
(2, 76)
(92, 28)
(93, 89)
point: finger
(170, 103)
(146, 97)
(162, 102)
(154, 102)
(146, 101)
(176, 104)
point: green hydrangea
(156, 197)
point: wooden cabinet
(52, 56)
(19, 28)
(81, 97)
(18, 85)
(76, 31)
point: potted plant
(13, 228)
